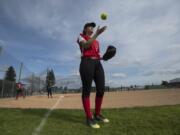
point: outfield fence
(8, 89)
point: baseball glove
(110, 52)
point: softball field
(111, 100)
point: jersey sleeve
(80, 39)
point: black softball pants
(91, 69)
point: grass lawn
(161, 120)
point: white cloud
(120, 75)
(55, 19)
(126, 62)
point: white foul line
(43, 121)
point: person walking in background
(49, 89)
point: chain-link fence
(8, 89)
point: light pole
(21, 65)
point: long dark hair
(84, 32)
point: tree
(47, 78)
(164, 83)
(50, 78)
(10, 74)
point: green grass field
(164, 120)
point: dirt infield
(111, 100)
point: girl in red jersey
(20, 90)
(91, 69)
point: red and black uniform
(91, 69)
(20, 90)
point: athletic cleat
(101, 118)
(92, 123)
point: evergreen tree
(164, 83)
(10, 74)
(50, 78)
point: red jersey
(19, 85)
(92, 51)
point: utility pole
(21, 65)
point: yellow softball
(103, 16)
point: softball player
(20, 90)
(91, 69)
(49, 90)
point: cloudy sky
(43, 33)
